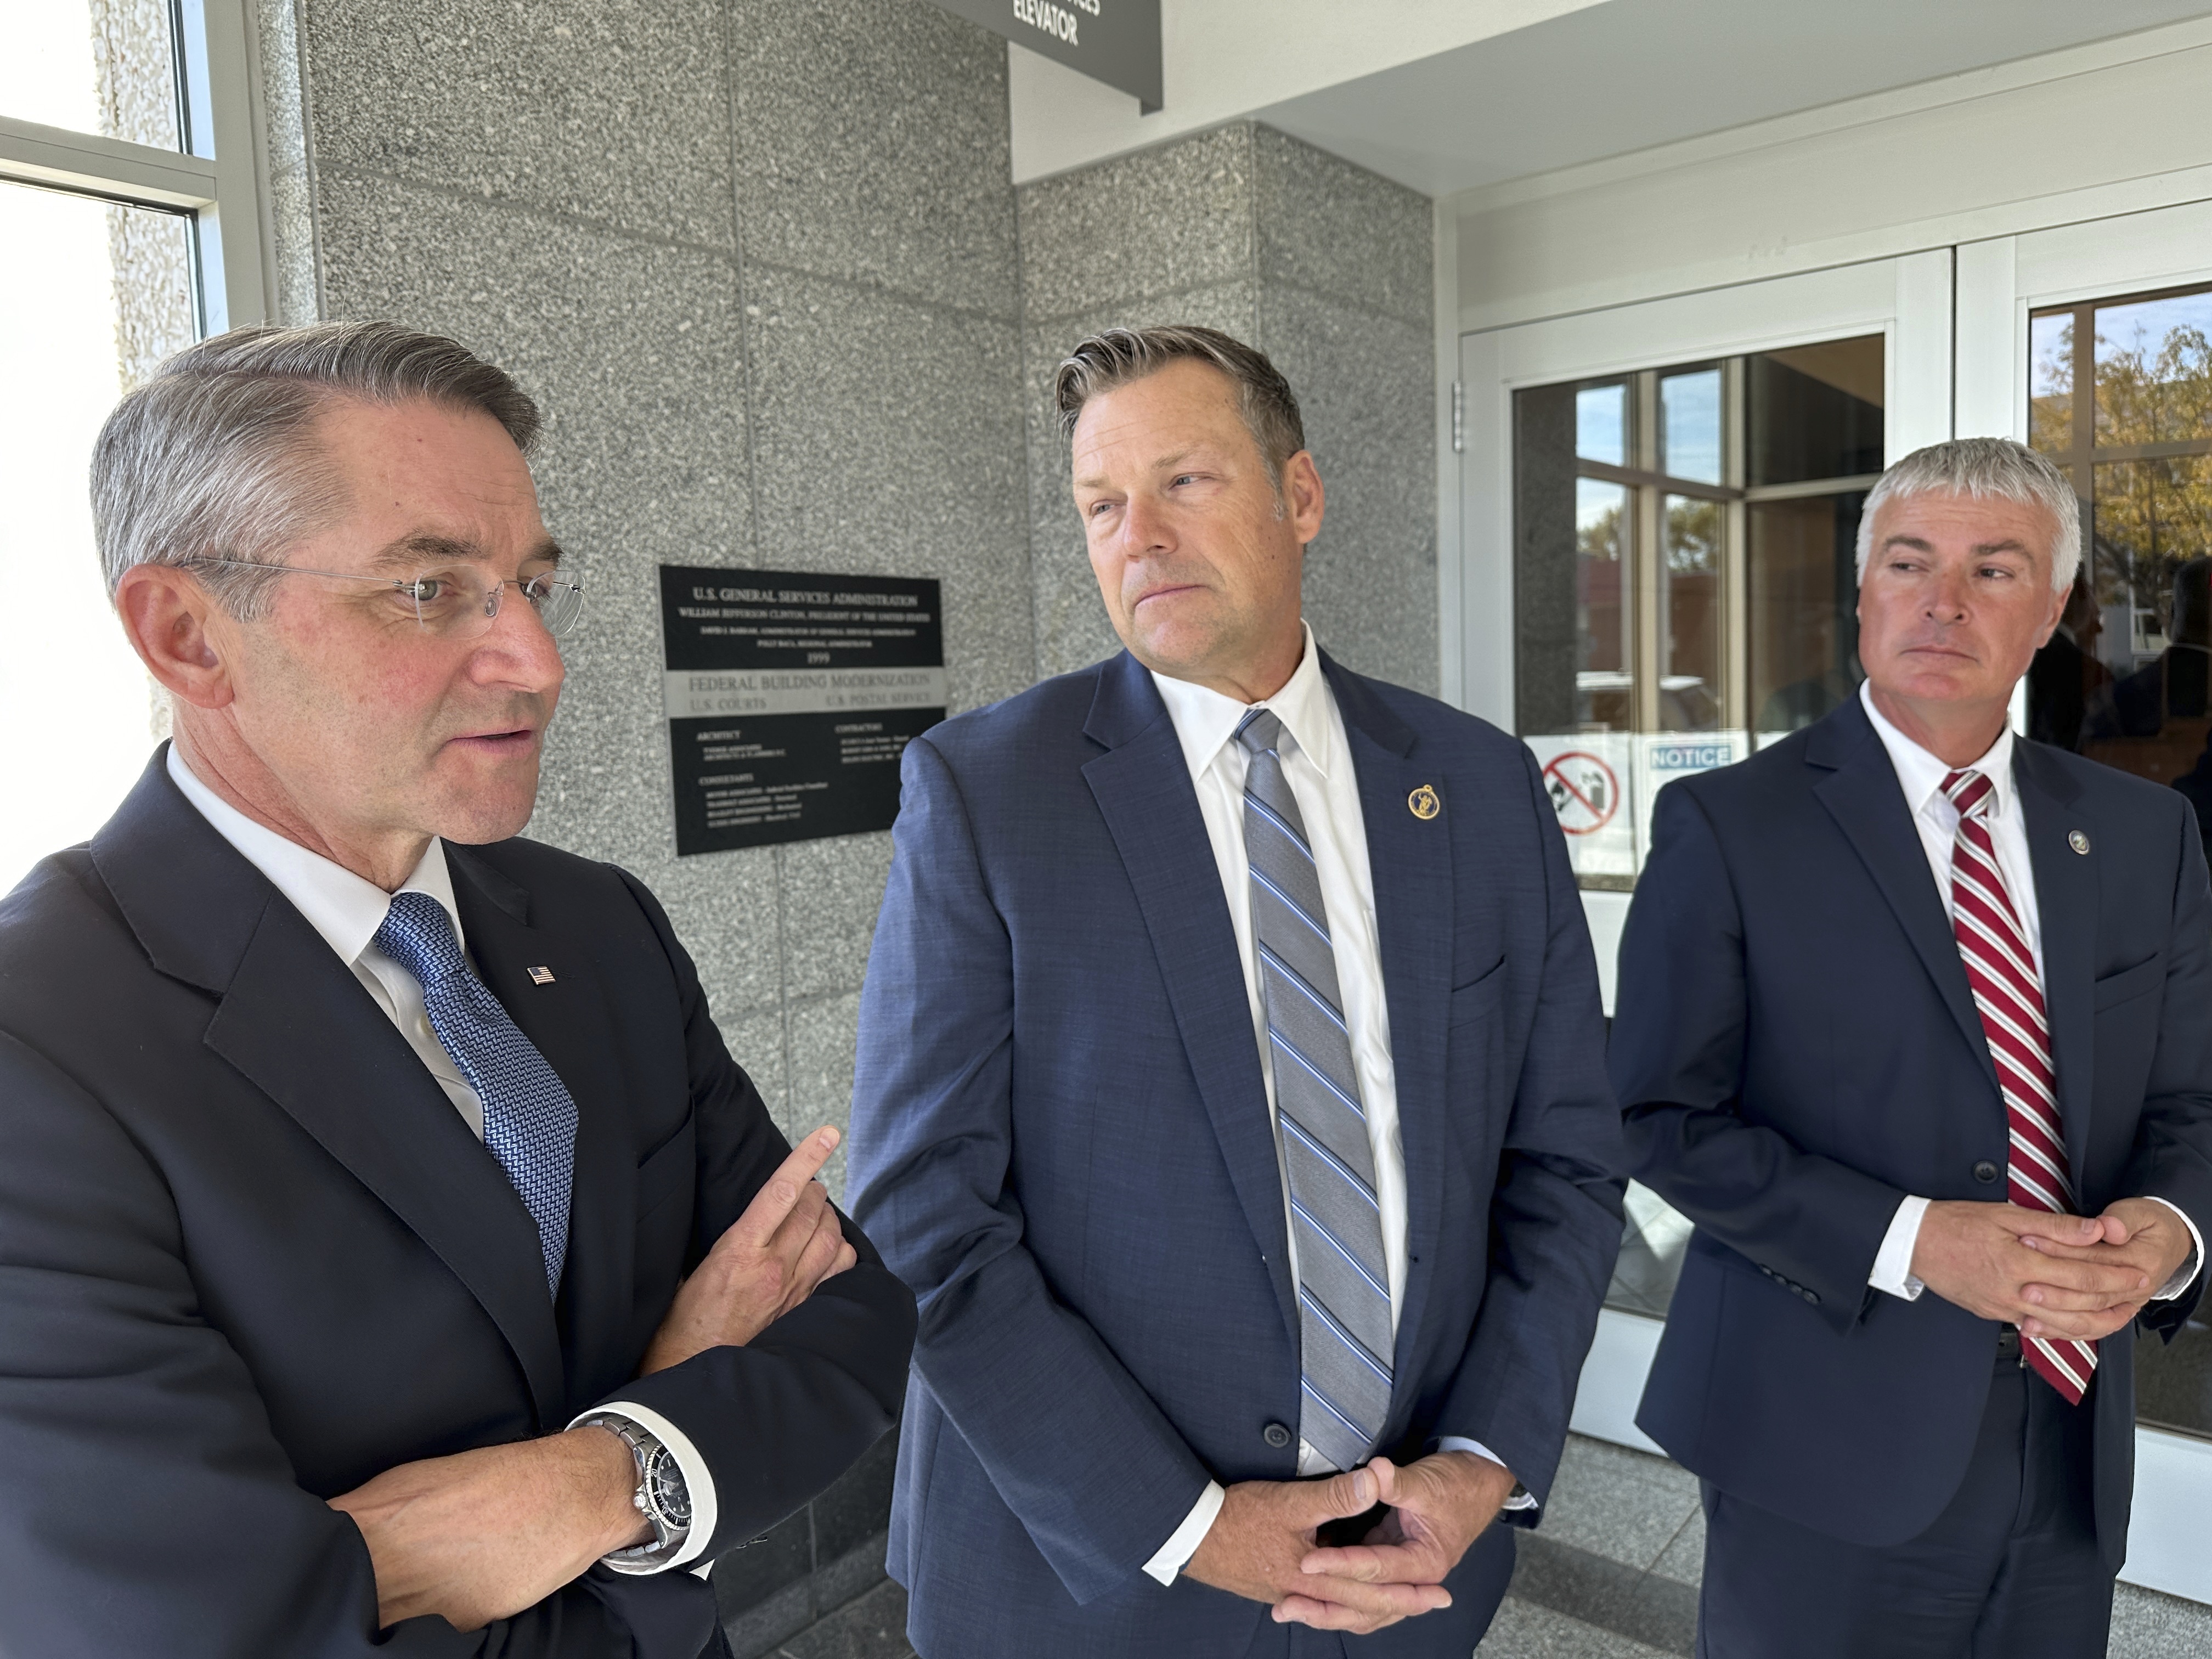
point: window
(128, 226)
(2120, 395)
(1684, 573)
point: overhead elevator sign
(1116, 41)
(790, 697)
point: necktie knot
(1260, 731)
(1970, 792)
(418, 935)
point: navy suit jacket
(251, 1256)
(1796, 1050)
(1061, 1140)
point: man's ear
(1303, 495)
(173, 624)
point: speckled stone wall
(1326, 267)
(758, 260)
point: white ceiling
(1601, 80)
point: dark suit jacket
(250, 1255)
(1796, 1050)
(1062, 1138)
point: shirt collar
(1922, 773)
(1206, 720)
(341, 906)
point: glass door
(1660, 504)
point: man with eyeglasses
(393, 1258)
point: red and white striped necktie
(2008, 993)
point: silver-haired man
(392, 1260)
(1915, 1023)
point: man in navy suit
(393, 1258)
(1229, 1093)
(1915, 1023)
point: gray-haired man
(1913, 1022)
(387, 1241)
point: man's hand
(2136, 1233)
(1265, 1529)
(2052, 1276)
(483, 1534)
(768, 1261)
(1438, 1507)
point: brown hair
(1114, 356)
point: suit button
(1276, 1436)
(1985, 1172)
(1810, 1296)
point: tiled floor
(1613, 1574)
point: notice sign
(790, 697)
(1116, 41)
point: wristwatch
(662, 1497)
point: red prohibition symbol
(1584, 792)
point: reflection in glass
(1601, 424)
(2153, 584)
(1690, 426)
(104, 66)
(2051, 382)
(62, 316)
(1815, 411)
(2155, 370)
(1604, 694)
(1803, 592)
(1690, 673)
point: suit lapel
(1860, 792)
(566, 1018)
(1143, 788)
(297, 1023)
(2066, 912)
(1410, 864)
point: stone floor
(1613, 1574)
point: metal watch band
(660, 1496)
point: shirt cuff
(698, 1482)
(2187, 1275)
(1892, 1263)
(1522, 1498)
(1183, 1542)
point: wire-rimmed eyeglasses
(453, 604)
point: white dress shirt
(1318, 766)
(347, 910)
(1921, 775)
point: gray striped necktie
(1343, 1294)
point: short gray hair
(1990, 469)
(1114, 356)
(214, 456)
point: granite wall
(758, 262)
(1326, 267)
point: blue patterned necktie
(1344, 1286)
(528, 1119)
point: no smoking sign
(1584, 792)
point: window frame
(219, 180)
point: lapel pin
(541, 975)
(2078, 841)
(1423, 803)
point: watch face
(667, 1490)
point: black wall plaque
(790, 697)
(1116, 41)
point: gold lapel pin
(541, 975)
(2078, 841)
(1423, 804)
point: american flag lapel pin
(541, 975)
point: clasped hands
(2054, 1276)
(1262, 1544)
(484, 1534)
